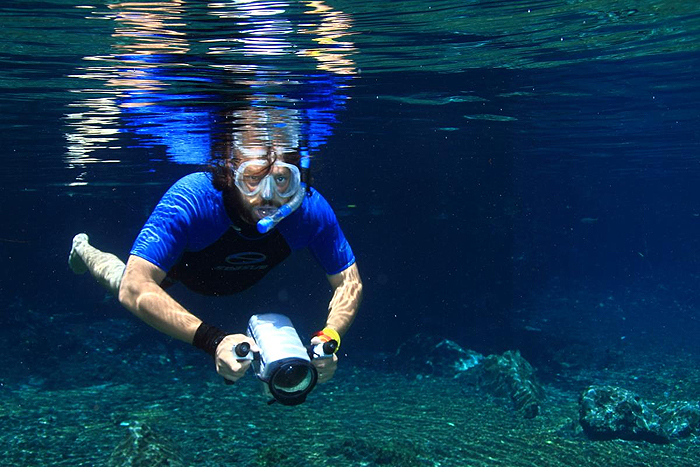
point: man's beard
(237, 208)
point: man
(205, 234)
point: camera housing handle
(323, 350)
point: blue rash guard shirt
(190, 236)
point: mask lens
(251, 176)
(283, 179)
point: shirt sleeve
(329, 245)
(166, 234)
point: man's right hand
(226, 363)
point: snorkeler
(219, 232)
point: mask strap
(305, 173)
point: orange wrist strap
(329, 334)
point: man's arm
(140, 292)
(347, 295)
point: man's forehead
(263, 152)
(253, 152)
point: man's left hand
(325, 366)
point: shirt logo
(246, 261)
(248, 257)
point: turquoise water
(511, 175)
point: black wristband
(208, 338)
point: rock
(508, 375)
(142, 447)
(511, 376)
(430, 355)
(607, 412)
(679, 419)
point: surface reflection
(176, 69)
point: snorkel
(267, 223)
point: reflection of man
(254, 41)
(203, 234)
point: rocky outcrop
(608, 412)
(680, 419)
(429, 355)
(507, 376)
(512, 377)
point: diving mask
(282, 179)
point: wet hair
(272, 128)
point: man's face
(259, 186)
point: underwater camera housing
(283, 363)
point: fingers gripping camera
(283, 364)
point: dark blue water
(488, 161)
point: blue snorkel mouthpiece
(269, 222)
